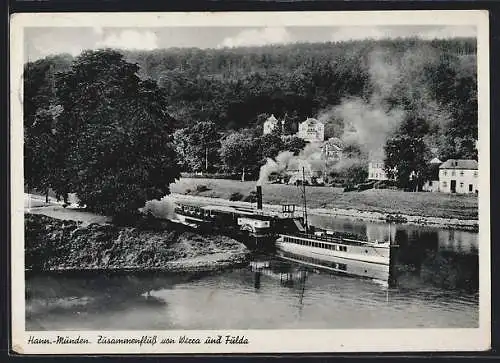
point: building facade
(312, 130)
(270, 124)
(459, 176)
(332, 149)
(376, 170)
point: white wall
(431, 186)
(269, 126)
(466, 180)
(376, 171)
(313, 132)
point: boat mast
(304, 196)
(390, 234)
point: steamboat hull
(355, 258)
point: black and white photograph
(250, 182)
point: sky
(42, 41)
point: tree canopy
(113, 138)
(214, 98)
(197, 146)
(239, 153)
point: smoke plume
(164, 208)
(369, 122)
(279, 165)
(309, 158)
(369, 125)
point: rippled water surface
(435, 285)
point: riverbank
(425, 204)
(63, 245)
(452, 223)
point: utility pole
(206, 159)
(304, 196)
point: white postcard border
(259, 341)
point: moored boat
(333, 251)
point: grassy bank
(53, 244)
(382, 201)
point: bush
(350, 188)
(384, 184)
(211, 176)
(202, 188)
(251, 198)
(236, 196)
(365, 186)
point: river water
(434, 284)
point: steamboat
(292, 238)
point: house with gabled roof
(311, 130)
(270, 124)
(332, 149)
(459, 176)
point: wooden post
(206, 159)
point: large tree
(198, 146)
(239, 153)
(40, 150)
(406, 153)
(114, 136)
(293, 144)
(271, 144)
(40, 111)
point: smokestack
(259, 196)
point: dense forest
(378, 96)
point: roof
(435, 161)
(311, 121)
(459, 164)
(334, 141)
(272, 119)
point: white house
(459, 176)
(332, 149)
(312, 130)
(376, 170)
(270, 124)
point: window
(453, 173)
(461, 185)
(475, 174)
(462, 173)
(444, 184)
(470, 187)
(445, 172)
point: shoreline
(56, 245)
(449, 223)
(56, 211)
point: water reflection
(432, 281)
(443, 258)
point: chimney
(259, 196)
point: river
(435, 285)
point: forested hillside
(232, 86)
(380, 96)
